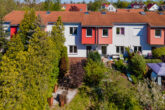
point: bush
(153, 60)
(134, 79)
(158, 52)
(64, 62)
(120, 65)
(137, 66)
(94, 72)
(95, 56)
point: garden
(122, 84)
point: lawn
(80, 102)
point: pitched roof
(150, 5)
(154, 19)
(130, 10)
(82, 7)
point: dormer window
(157, 32)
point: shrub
(153, 60)
(120, 65)
(95, 56)
(134, 79)
(94, 72)
(137, 66)
(158, 52)
(150, 95)
(64, 62)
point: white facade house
(153, 7)
(109, 8)
(133, 36)
(72, 33)
(108, 33)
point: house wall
(72, 39)
(105, 39)
(154, 8)
(111, 8)
(86, 39)
(135, 35)
(152, 40)
(6, 27)
(13, 30)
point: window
(137, 49)
(120, 49)
(158, 32)
(89, 31)
(72, 49)
(73, 30)
(104, 50)
(105, 32)
(120, 31)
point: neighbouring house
(108, 33)
(74, 7)
(152, 7)
(162, 8)
(108, 7)
(137, 5)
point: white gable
(111, 8)
(155, 7)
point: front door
(88, 48)
(104, 50)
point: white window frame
(87, 32)
(138, 48)
(103, 32)
(73, 49)
(73, 29)
(120, 31)
(120, 52)
(160, 33)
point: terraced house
(106, 32)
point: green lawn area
(80, 102)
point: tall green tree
(27, 26)
(11, 76)
(52, 5)
(57, 34)
(96, 5)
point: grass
(80, 102)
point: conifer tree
(11, 76)
(58, 34)
(15, 45)
(42, 57)
(28, 26)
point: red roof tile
(82, 7)
(93, 18)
